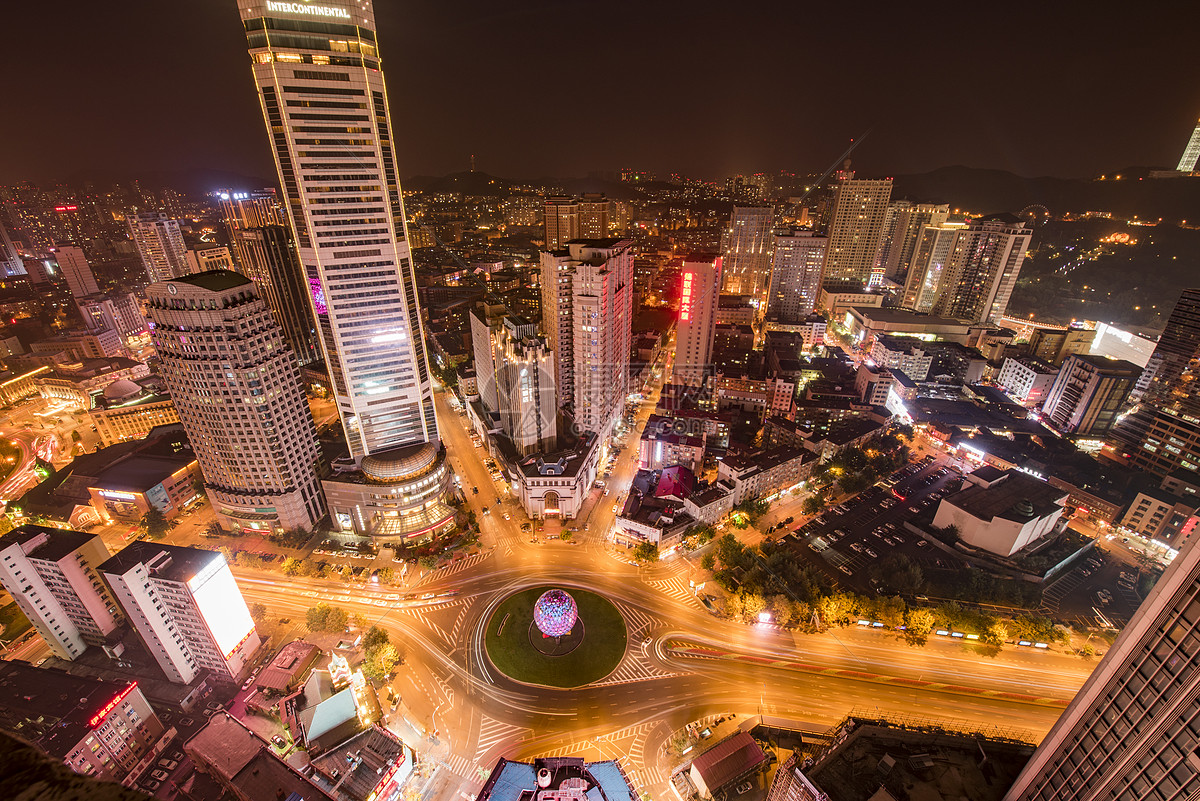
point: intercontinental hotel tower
(320, 85)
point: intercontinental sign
(304, 8)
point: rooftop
(34, 694)
(367, 756)
(565, 778)
(1117, 366)
(729, 759)
(288, 666)
(58, 542)
(1018, 496)
(174, 562)
(214, 280)
(903, 316)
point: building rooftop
(57, 542)
(214, 280)
(41, 694)
(729, 759)
(1108, 365)
(903, 316)
(367, 756)
(289, 666)
(170, 562)
(1017, 496)
(565, 778)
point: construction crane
(836, 162)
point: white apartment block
(160, 243)
(795, 284)
(856, 230)
(53, 576)
(1027, 380)
(699, 296)
(185, 607)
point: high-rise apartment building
(930, 255)
(204, 259)
(746, 251)
(796, 263)
(859, 210)
(524, 378)
(982, 269)
(11, 263)
(587, 317)
(73, 266)
(266, 254)
(237, 388)
(1133, 729)
(52, 575)
(1088, 394)
(486, 320)
(568, 218)
(1191, 153)
(910, 220)
(160, 243)
(325, 106)
(1162, 433)
(699, 296)
(185, 607)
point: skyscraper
(930, 255)
(699, 294)
(909, 222)
(486, 320)
(10, 261)
(1133, 729)
(1191, 153)
(1088, 394)
(856, 229)
(568, 218)
(1162, 433)
(746, 252)
(796, 262)
(524, 377)
(75, 269)
(982, 269)
(325, 106)
(237, 389)
(185, 607)
(52, 575)
(587, 317)
(160, 244)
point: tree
(708, 561)
(567, 536)
(752, 605)
(290, 566)
(645, 552)
(381, 661)
(919, 623)
(258, 611)
(900, 573)
(337, 619)
(996, 633)
(374, 638)
(812, 504)
(155, 523)
(428, 562)
(316, 617)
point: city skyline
(1143, 122)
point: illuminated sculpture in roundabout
(555, 613)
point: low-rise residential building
(873, 383)
(732, 760)
(1156, 514)
(101, 729)
(902, 353)
(657, 450)
(835, 301)
(662, 505)
(1002, 511)
(769, 395)
(811, 329)
(1027, 380)
(765, 473)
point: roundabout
(558, 638)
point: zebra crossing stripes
(634, 668)
(676, 588)
(457, 566)
(460, 766)
(419, 612)
(569, 750)
(495, 732)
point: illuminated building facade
(700, 281)
(568, 218)
(1162, 433)
(795, 284)
(904, 235)
(982, 270)
(266, 254)
(73, 266)
(856, 229)
(1088, 394)
(524, 376)
(185, 607)
(237, 389)
(1133, 729)
(11, 263)
(1191, 153)
(52, 575)
(160, 243)
(747, 252)
(325, 107)
(931, 251)
(102, 729)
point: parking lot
(846, 540)
(1100, 590)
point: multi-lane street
(468, 714)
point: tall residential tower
(856, 229)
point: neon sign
(318, 295)
(685, 308)
(300, 8)
(61, 209)
(110, 706)
(116, 495)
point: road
(466, 714)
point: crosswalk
(676, 587)
(493, 733)
(422, 613)
(460, 766)
(457, 566)
(634, 668)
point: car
(896, 536)
(744, 787)
(487, 510)
(856, 546)
(889, 541)
(647, 641)
(151, 784)
(507, 516)
(161, 775)
(177, 756)
(279, 741)
(916, 510)
(706, 733)
(246, 684)
(845, 570)
(185, 722)
(168, 764)
(871, 553)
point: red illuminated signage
(66, 208)
(685, 307)
(241, 642)
(111, 705)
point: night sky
(564, 88)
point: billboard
(221, 605)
